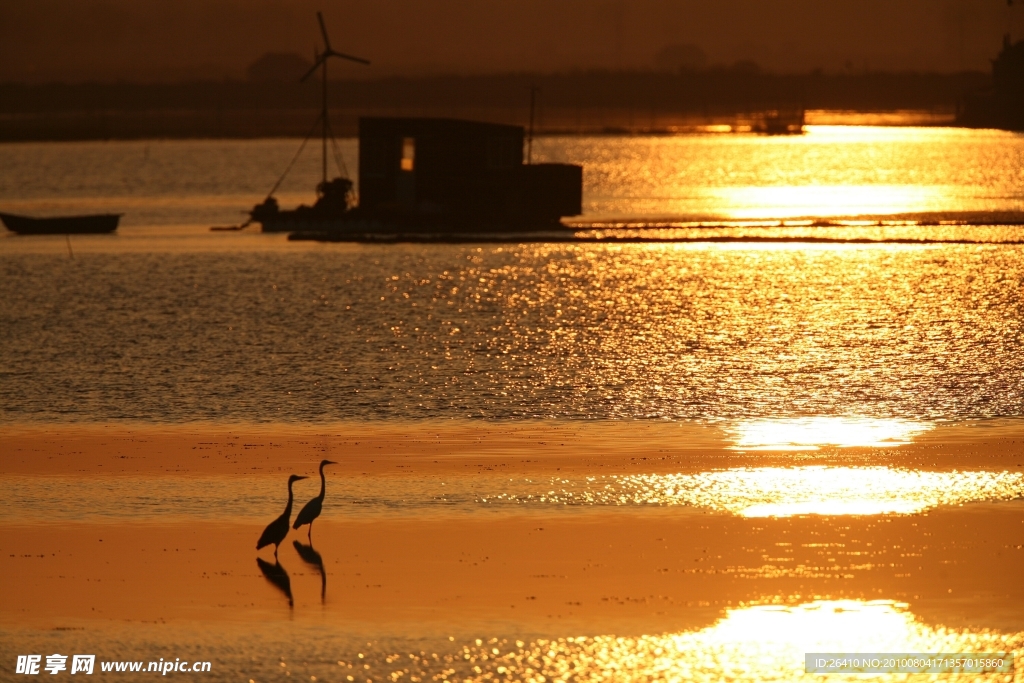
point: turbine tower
(321, 63)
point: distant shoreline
(591, 103)
(204, 125)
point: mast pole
(529, 134)
(320, 62)
(323, 145)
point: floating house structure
(464, 174)
(440, 176)
(429, 176)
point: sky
(178, 40)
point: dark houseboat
(428, 175)
(437, 175)
(61, 225)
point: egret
(278, 529)
(311, 510)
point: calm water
(649, 331)
(757, 643)
(167, 322)
(831, 171)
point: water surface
(830, 171)
(639, 331)
(791, 346)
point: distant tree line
(566, 101)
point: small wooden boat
(61, 225)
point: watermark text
(35, 665)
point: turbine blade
(312, 69)
(323, 30)
(348, 57)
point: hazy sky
(166, 40)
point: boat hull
(61, 225)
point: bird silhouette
(278, 529)
(311, 510)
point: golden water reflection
(755, 643)
(745, 491)
(831, 171)
(813, 432)
(825, 200)
(784, 491)
(701, 332)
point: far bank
(581, 103)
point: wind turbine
(321, 63)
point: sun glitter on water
(842, 200)
(754, 643)
(814, 432)
(779, 491)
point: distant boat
(61, 225)
(783, 122)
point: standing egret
(311, 510)
(278, 529)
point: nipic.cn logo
(31, 664)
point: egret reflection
(277, 576)
(814, 432)
(311, 557)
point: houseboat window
(408, 154)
